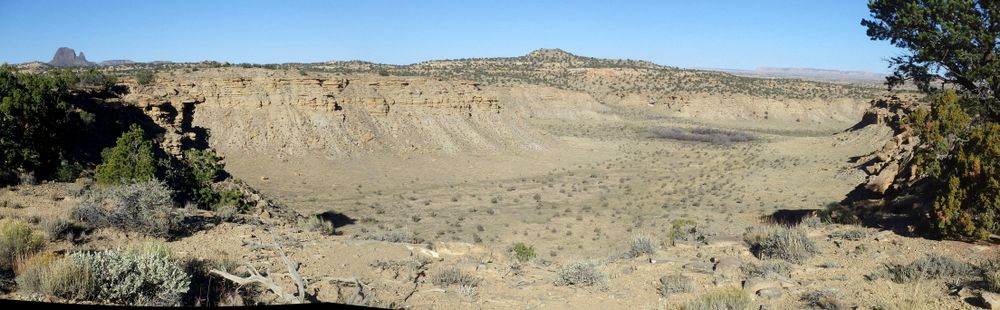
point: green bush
(17, 241)
(131, 160)
(33, 120)
(144, 207)
(145, 77)
(962, 160)
(522, 252)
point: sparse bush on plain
(702, 134)
(787, 243)
(580, 274)
(641, 245)
(674, 284)
(17, 241)
(456, 277)
(928, 267)
(522, 252)
(731, 298)
(317, 224)
(395, 236)
(144, 207)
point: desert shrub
(522, 252)
(135, 277)
(928, 267)
(674, 284)
(641, 245)
(685, 230)
(68, 172)
(454, 276)
(827, 299)
(56, 228)
(226, 213)
(317, 224)
(992, 280)
(722, 299)
(766, 269)
(145, 77)
(839, 214)
(17, 241)
(580, 274)
(144, 207)
(131, 160)
(787, 243)
(96, 79)
(701, 134)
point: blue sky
(709, 34)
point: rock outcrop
(67, 57)
(889, 166)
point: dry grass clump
(52, 275)
(674, 284)
(317, 224)
(702, 134)
(992, 279)
(928, 267)
(779, 242)
(580, 274)
(731, 298)
(853, 234)
(17, 241)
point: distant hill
(115, 62)
(67, 57)
(824, 75)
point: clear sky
(740, 34)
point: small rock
(769, 293)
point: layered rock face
(67, 57)
(889, 167)
(287, 114)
